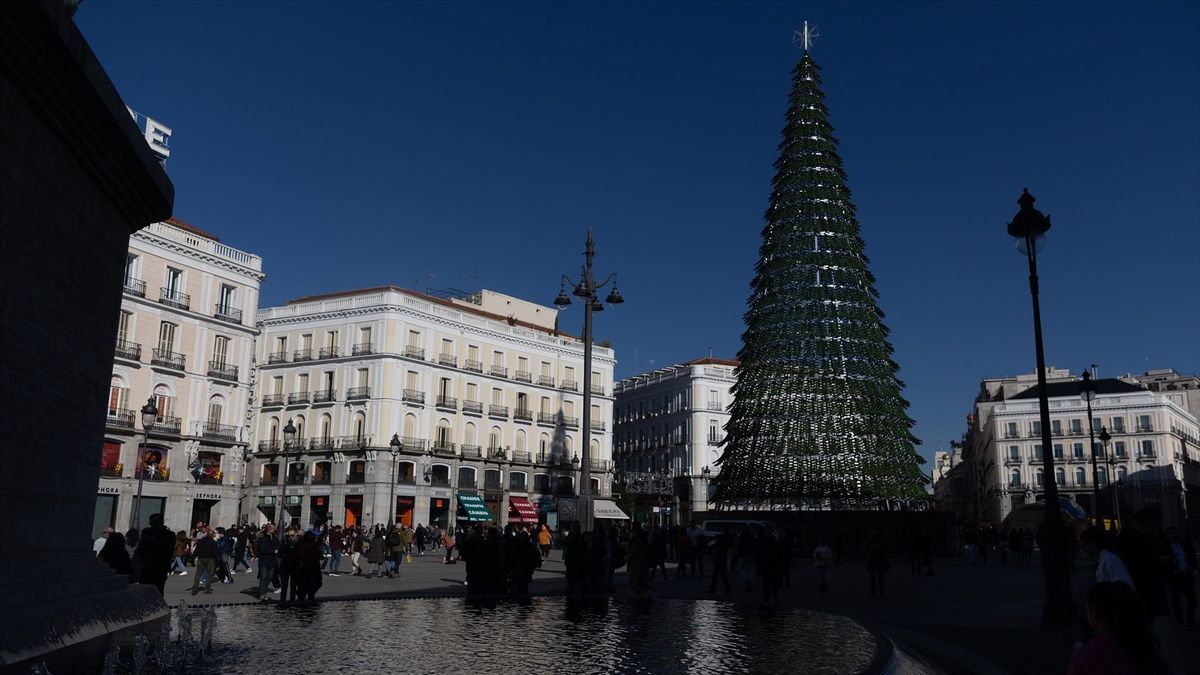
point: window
(1014, 478)
(306, 342)
(1077, 450)
(498, 359)
(1035, 428)
(1056, 427)
(448, 347)
(516, 481)
(1096, 425)
(569, 408)
(302, 383)
(494, 439)
(166, 337)
(131, 268)
(1122, 473)
(546, 369)
(362, 376)
(360, 427)
(469, 434)
(473, 392)
(281, 345)
(1080, 476)
(225, 299)
(522, 401)
(1060, 476)
(1118, 425)
(1014, 452)
(444, 388)
(443, 434)
(473, 352)
(277, 385)
(523, 364)
(124, 325)
(411, 381)
(414, 338)
(1101, 476)
(1147, 448)
(714, 433)
(364, 335)
(216, 410)
(326, 426)
(220, 349)
(497, 396)
(1011, 430)
(1058, 451)
(117, 395)
(546, 405)
(331, 340)
(1119, 449)
(569, 374)
(273, 430)
(174, 281)
(520, 443)
(1144, 423)
(1076, 427)
(164, 402)
(1040, 478)
(299, 424)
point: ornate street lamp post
(1029, 228)
(1115, 510)
(586, 290)
(149, 415)
(395, 446)
(1087, 391)
(289, 436)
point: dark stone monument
(76, 178)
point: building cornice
(191, 252)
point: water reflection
(444, 635)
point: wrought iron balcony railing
(598, 389)
(222, 370)
(135, 287)
(448, 360)
(328, 353)
(230, 314)
(411, 444)
(473, 366)
(174, 298)
(414, 352)
(362, 349)
(569, 385)
(302, 355)
(444, 448)
(471, 451)
(523, 376)
(299, 398)
(166, 425)
(277, 357)
(327, 396)
(166, 358)
(358, 393)
(472, 407)
(447, 402)
(499, 371)
(129, 350)
(121, 418)
(272, 399)
(546, 380)
(498, 411)
(414, 396)
(523, 414)
(224, 432)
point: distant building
(185, 341)
(669, 424)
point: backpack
(393, 539)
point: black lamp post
(1029, 228)
(586, 290)
(149, 415)
(395, 446)
(1087, 391)
(289, 436)
(1115, 508)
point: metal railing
(174, 298)
(598, 389)
(269, 446)
(570, 385)
(324, 397)
(491, 485)
(473, 366)
(328, 353)
(222, 370)
(447, 402)
(472, 406)
(468, 483)
(356, 478)
(442, 448)
(277, 357)
(272, 399)
(546, 380)
(499, 371)
(547, 418)
(448, 360)
(362, 349)
(168, 359)
(520, 456)
(110, 472)
(572, 422)
(129, 350)
(471, 451)
(299, 397)
(322, 443)
(230, 314)
(412, 444)
(713, 405)
(296, 480)
(321, 480)
(224, 432)
(302, 355)
(356, 441)
(498, 411)
(414, 396)
(598, 425)
(523, 414)
(358, 393)
(414, 352)
(135, 287)
(523, 376)
(268, 480)
(121, 418)
(166, 425)
(438, 481)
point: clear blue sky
(361, 144)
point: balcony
(500, 411)
(598, 390)
(323, 443)
(472, 407)
(473, 451)
(523, 376)
(1076, 432)
(496, 453)
(547, 418)
(296, 480)
(712, 440)
(473, 366)
(355, 442)
(299, 398)
(412, 444)
(598, 425)
(229, 314)
(221, 432)
(414, 352)
(520, 456)
(268, 446)
(272, 400)
(1144, 428)
(597, 464)
(443, 448)
(277, 357)
(523, 414)
(174, 298)
(1012, 460)
(269, 480)
(356, 478)
(466, 483)
(223, 371)
(321, 480)
(135, 287)
(166, 425)
(448, 360)
(414, 396)
(165, 358)
(362, 349)
(302, 355)
(569, 385)
(406, 480)
(439, 481)
(120, 419)
(328, 353)
(1056, 432)
(499, 371)
(129, 350)
(712, 405)
(320, 397)
(1011, 434)
(447, 402)
(546, 380)
(491, 485)
(358, 393)
(572, 422)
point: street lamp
(149, 415)
(395, 446)
(1115, 511)
(586, 290)
(1029, 228)
(289, 436)
(1087, 391)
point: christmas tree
(818, 420)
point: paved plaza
(980, 618)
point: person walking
(638, 561)
(289, 567)
(266, 549)
(376, 554)
(658, 552)
(206, 553)
(1109, 566)
(115, 556)
(822, 559)
(722, 547)
(448, 542)
(543, 540)
(877, 563)
(419, 538)
(308, 551)
(155, 549)
(181, 547)
(337, 542)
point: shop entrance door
(106, 514)
(202, 511)
(439, 512)
(318, 510)
(151, 506)
(354, 510)
(404, 510)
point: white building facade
(668, 429)
(185, 342)
(482, 395)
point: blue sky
(361, 144)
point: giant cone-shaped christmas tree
(818, 420)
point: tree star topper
(804, 38)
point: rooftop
(1072, 388)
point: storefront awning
(521, 511)
(602, 508)
(474, 507)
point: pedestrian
(638, 560)
(822, 559)
(522, 558)
(1123, 642)
(768, 560)
(266, 550)
(395, 548)
(877, 563)
(289, 567)
(206, 554)
(1109, 566)
(575, 560)
(683, 549)
(1145, 552)
(658, 552)
(419, 538)
(449, 543)
(115, 556)
(1027, 541)
(155, 549)
(743, 557)
(721, 551)
(337, 542)
(241, 540)
(309, 573)
(98, 544)
(543, 540)
(181, 547)
(376, 554)
(1182, 582)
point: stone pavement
(981, 618)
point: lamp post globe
(394, 445)
(149, 414)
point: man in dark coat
(156, 549)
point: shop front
(203, 505)
(354, 510)
(267, 507)
(471, 509)
(405, 505)
(521, 511)
(106, 510)
(439, 512)
(318, 509)
(149, 507)
(292, 510)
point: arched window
(1101, 476)
(1040, 477)
(1122, 472)
(1060, 476)
(469, 434)
(568, 446)
(273, 431)
(410, 426)
(326, 426)
(492, 479)
(520, 441)
(517, 481)
(544, 445)
(1014, 478)
(118, 395)
(164, 401)
(360, 427)
(1080, 476)
(466, 477)
(216, 410)
(443, 438)
(356, 471)
(298, 422)
(494, 439)
(594, 450)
